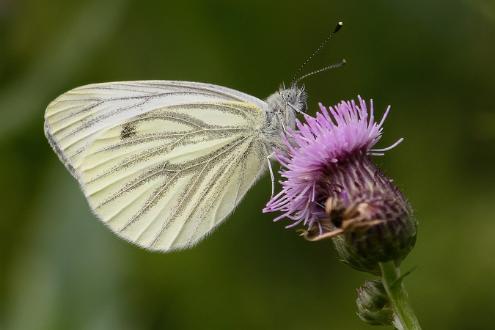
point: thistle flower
(332, 188)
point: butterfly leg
(272, 176)
(282, 122)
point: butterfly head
(285, 104)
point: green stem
(404, 317)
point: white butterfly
(162, 163)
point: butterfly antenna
(329, 67)
(322, 45)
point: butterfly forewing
(75, 118)
(161, 163)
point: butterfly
(163, 163)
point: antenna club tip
(338, 27)
(340, 23)
(344, 61)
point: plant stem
(404, 317)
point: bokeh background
(433, 61)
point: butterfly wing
(161, 163)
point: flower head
(336, 134)
(330, 184)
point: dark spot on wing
(128, 131)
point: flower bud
(373, 304)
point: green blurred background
(433, 61)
